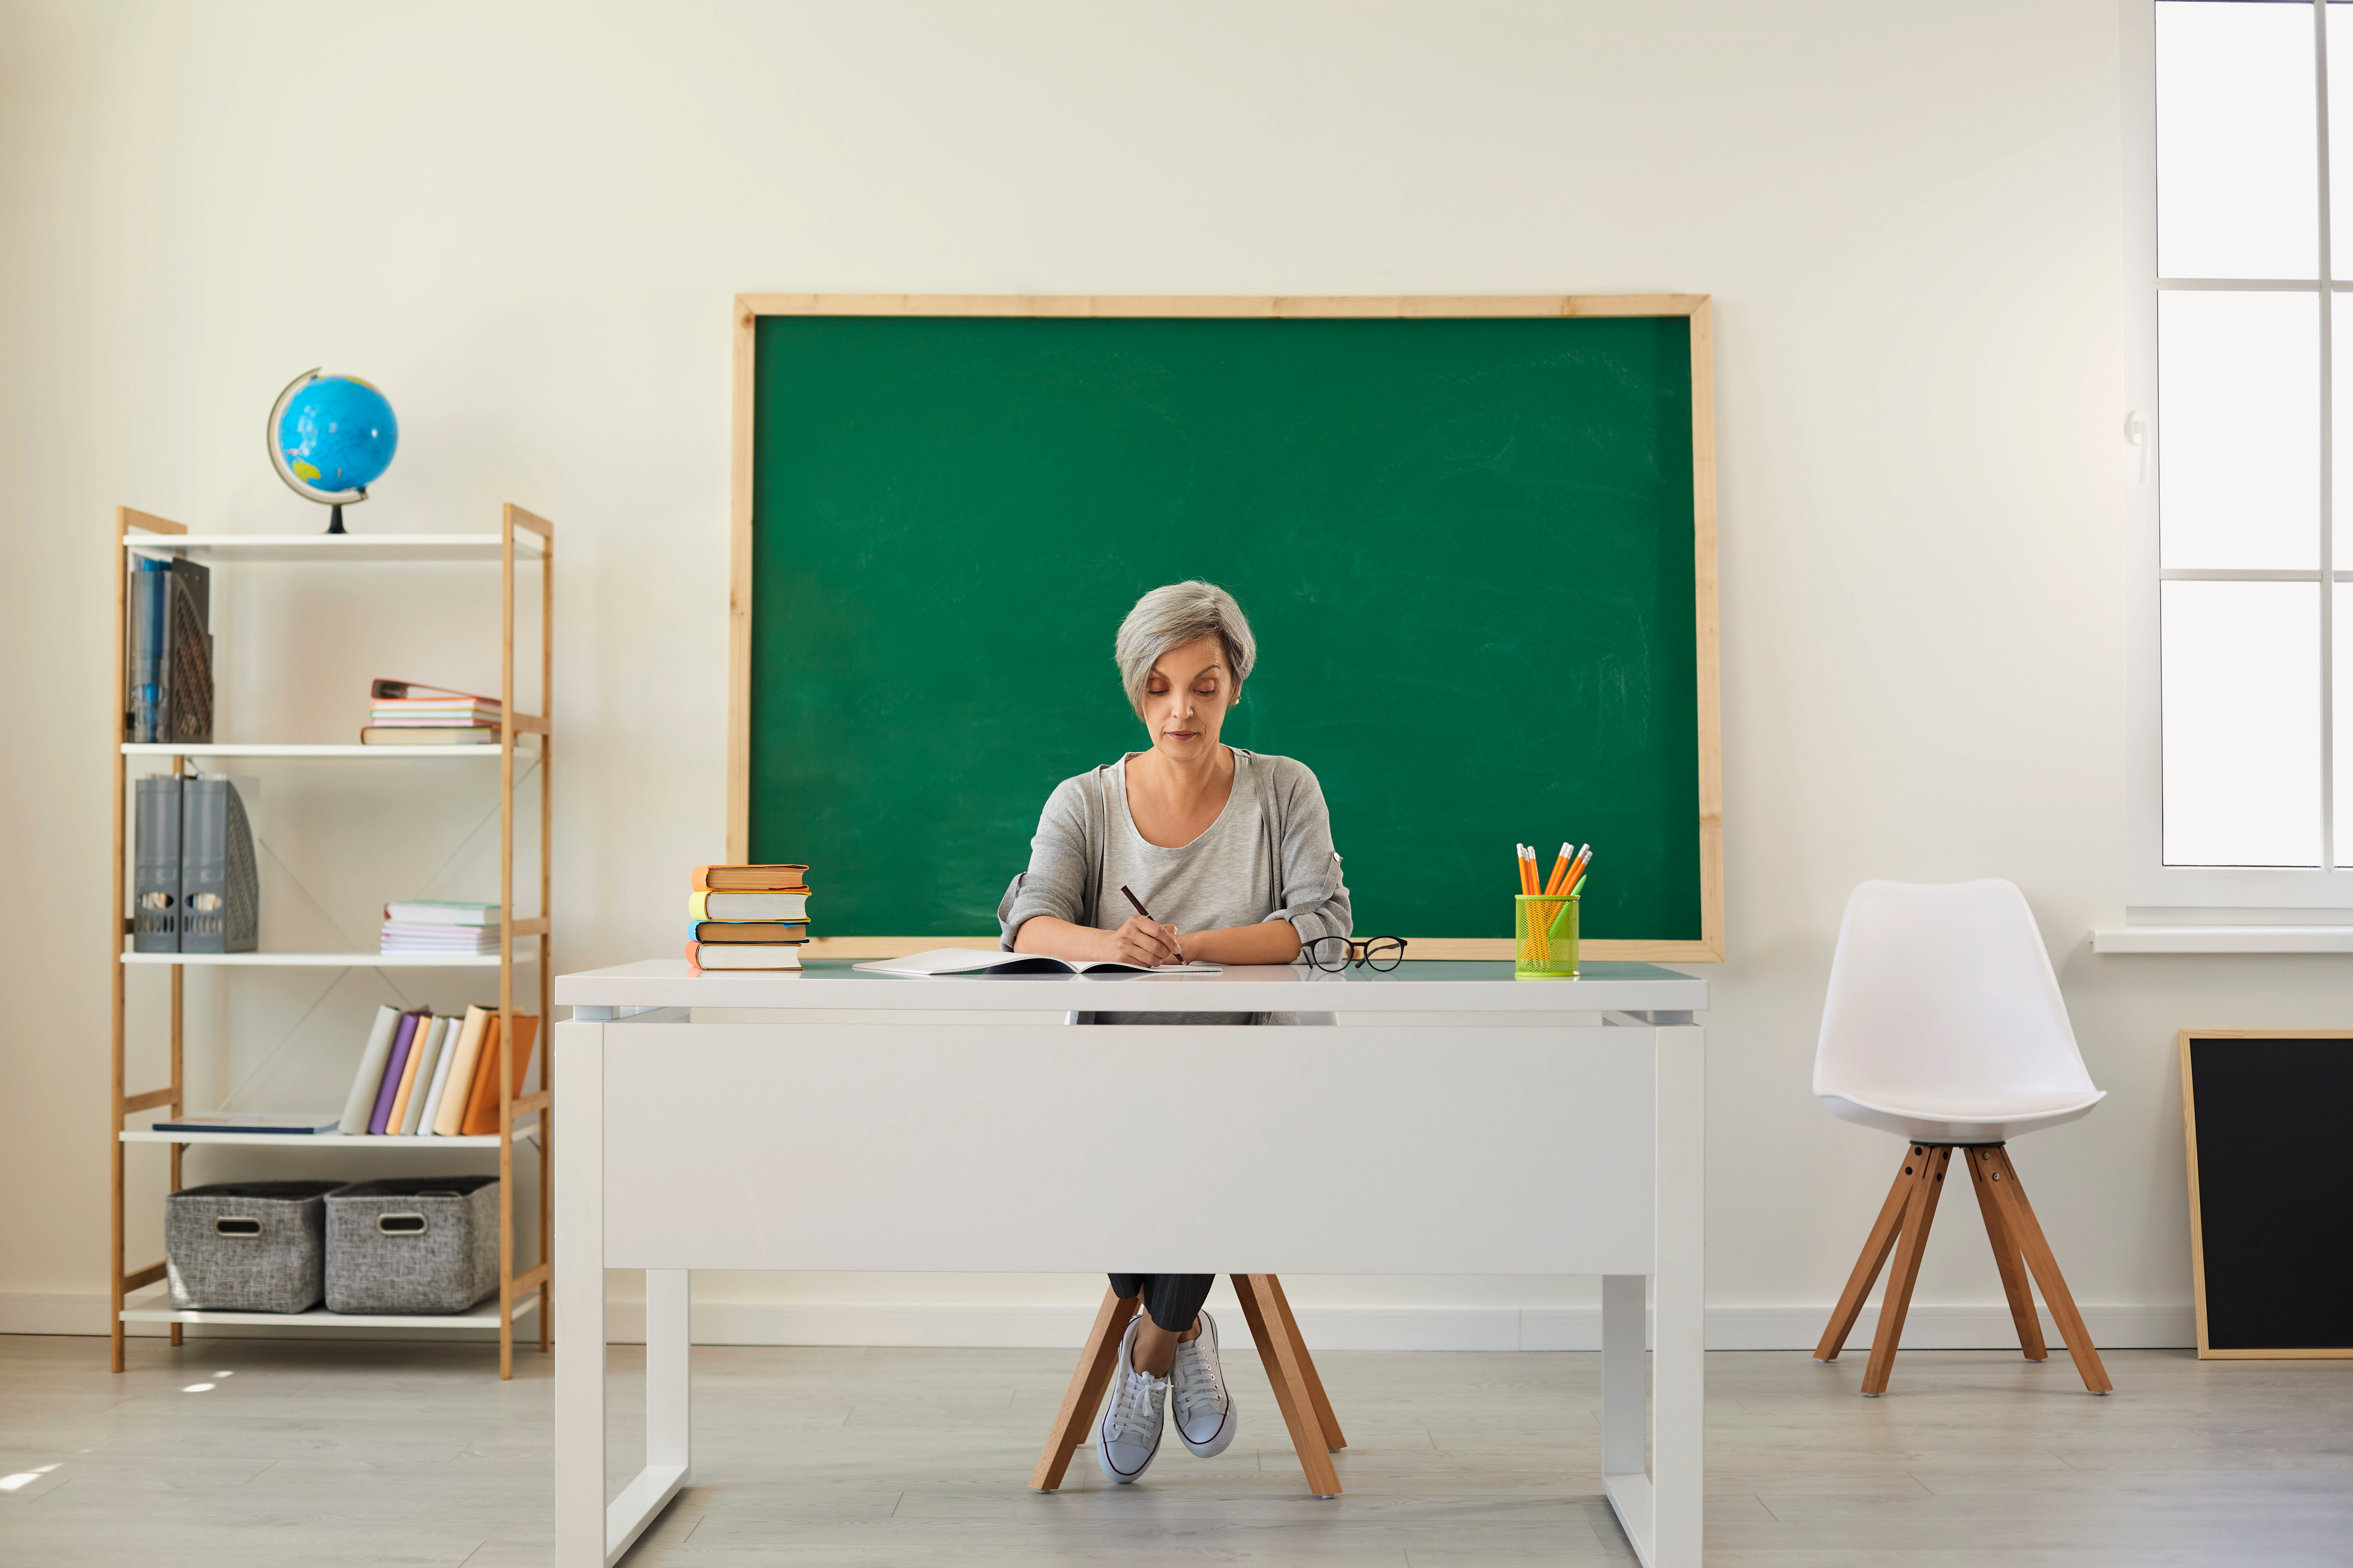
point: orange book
(482, 1103)
(751, 878)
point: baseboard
(1053, 1327)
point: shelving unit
(139, 1294)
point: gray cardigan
(1269, 856)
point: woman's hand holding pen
(1144, 941)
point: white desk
(1571, 1149)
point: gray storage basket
(415, 1245)
(247, 1246)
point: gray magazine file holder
(220, 888)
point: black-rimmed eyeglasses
(1337, 953)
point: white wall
(527, 222)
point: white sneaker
(1128, 1438)
(1205, 1411)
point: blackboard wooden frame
(2206, 1349)
(750, 307)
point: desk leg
(580, 1297)
(667, 1342)
(1680, 1299)
(589, 1532)
(1661, 1511)
(1625, 1376)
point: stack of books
(748, 917)
(422, 1076)
(404, 713)
(438, 925)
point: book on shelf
(440, 912)
(482, 1104)
(421, 936)
(751, 930)
(430, 1092)
(292, 1121)
(751, 878)
(416, 1078)
(450, 1110)
(700, 907)
(419, 1072)
(402, 735)
(403, 1040)
(703, 955)
(417, 694)
(170, 653)
(373, 1056)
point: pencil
(1560, 871)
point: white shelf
(209, 749)
(482, 1317)
(523, 954)
(333, 547)
(2223, 939)
(527, 1133)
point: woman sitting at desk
(1231, 852)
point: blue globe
(331, 437)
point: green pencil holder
(1544, 937)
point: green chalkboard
(1466, 546)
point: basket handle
(401, 1224)
(238, 1225)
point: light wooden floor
(303, 1452)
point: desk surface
(1435, 986)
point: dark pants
(1173, 1300)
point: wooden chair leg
(1088, 1380)
(1926, 1169)
(2017, 1217)
(1332, 1439)
(1875, 1249)
(1290, 1381)
(2006, 1256)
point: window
(2242, 483)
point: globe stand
(336, 519)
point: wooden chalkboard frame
(750, 307)
(2206, 1349)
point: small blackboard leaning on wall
(2269, 1214)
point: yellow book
(460, 1078)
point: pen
(1137, 902)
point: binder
(155, 865)
(220, 892)
(142, 716)
(186, 655)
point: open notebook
(972, 961)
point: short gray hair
(1172, 616)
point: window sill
(2223, 939)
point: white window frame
(2157, 893)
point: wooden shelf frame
(522, 536)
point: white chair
(1943, 1026)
